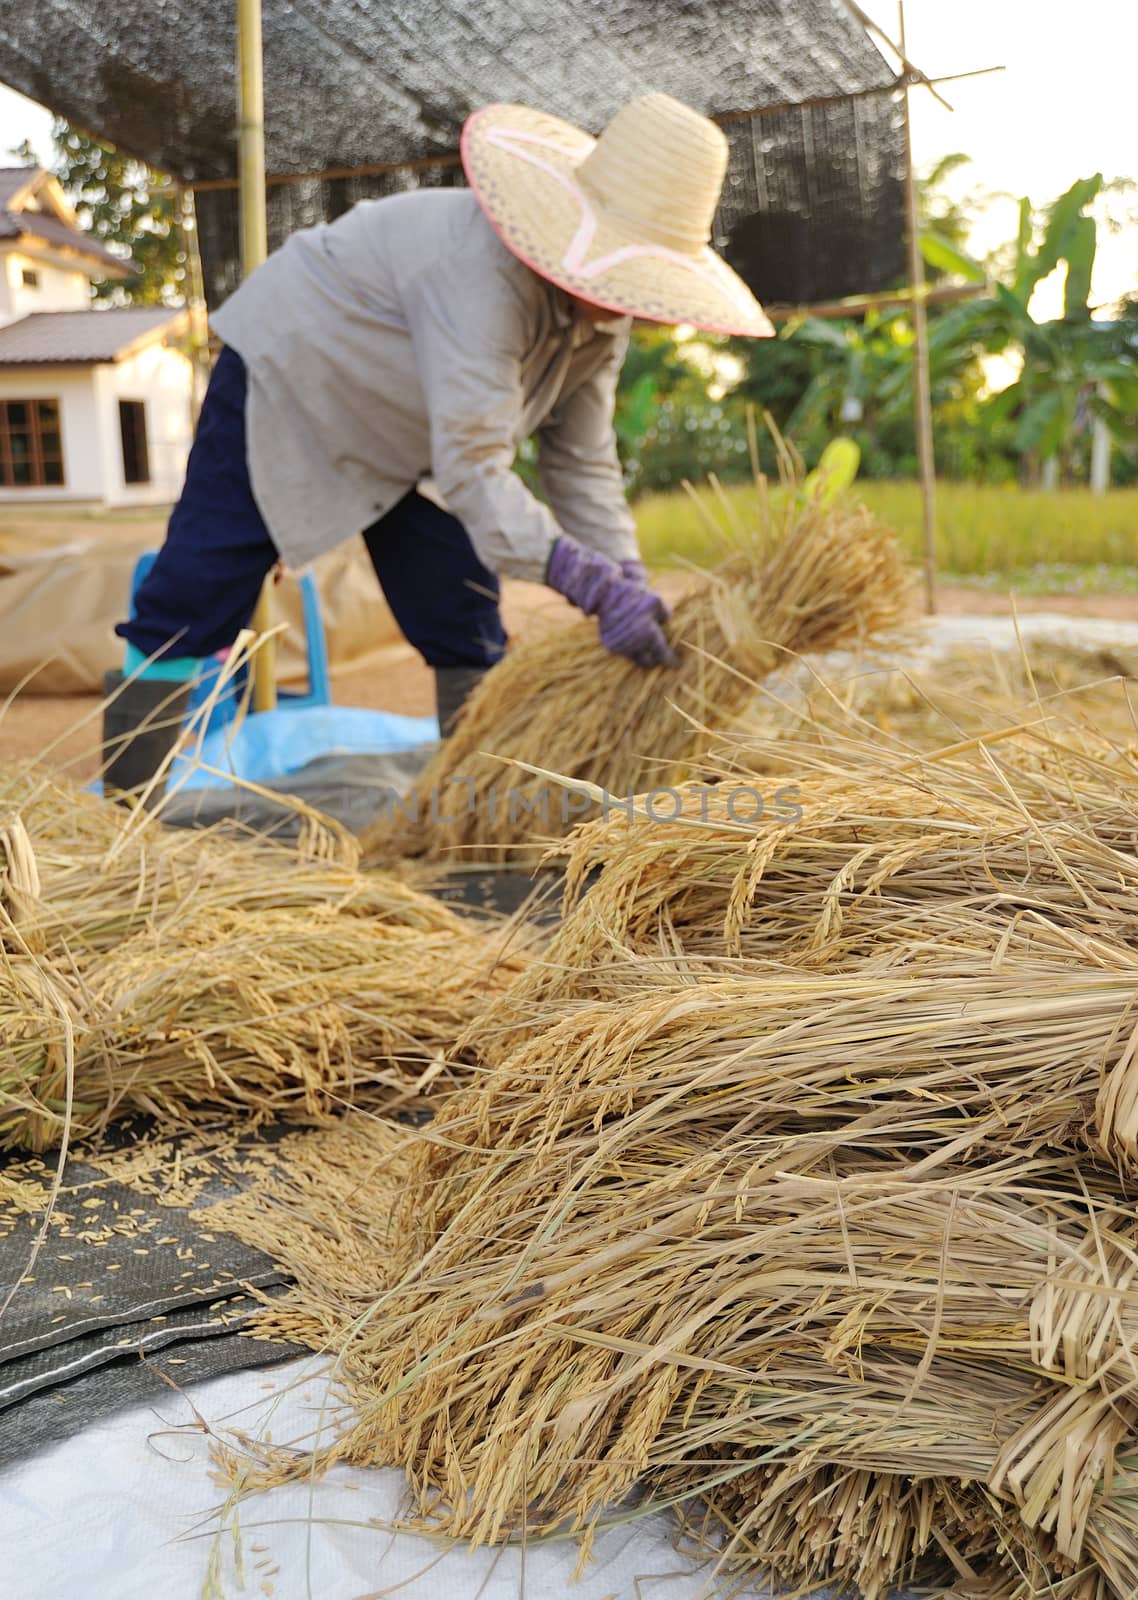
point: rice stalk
(808, 576)
(204, 972)
(791, 1189)
(1020, 846)
(670, 1304)
(106, 872)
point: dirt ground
(991, 603)
(65, 730)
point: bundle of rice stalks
(175, 972)
(847, 1530)
(797, 1192)
(647, 1257)
(842, 1527)
(105, 872)
(809, 577)
(933, 1062)
(1017, 844)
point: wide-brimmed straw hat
(624, 220)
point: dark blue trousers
(203, 587)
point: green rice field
(1064, 541)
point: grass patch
(1062, 542)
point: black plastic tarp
(119, 1280)
(353, 83)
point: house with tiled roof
(95, 404)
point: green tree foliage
(860, 385)
(130, 209)
(777, 373)
(1075, 369)
(854, 376)
(946, 221)
(668, 427)
(822, 378)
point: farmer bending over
(425, 336)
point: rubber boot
(140, 727)
(453, 687)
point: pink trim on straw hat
(580, 274)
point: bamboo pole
(857, 305)
(911, 73)
(254, 249)
(922, 388)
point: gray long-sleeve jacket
(405, 342)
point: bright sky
(1063, 109)
(22, 119)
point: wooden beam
(779, 106)
(922, 386)
(858, 304)
(911, 72)
(251, 135)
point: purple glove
(635, 572)
(629, 614)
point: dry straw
(106, 872)
(804, 1223)
(796, 1191)
(923, 690)
(1019, 843)
(650, 1284)
(807, 576)
(142, 969)
(324, 1206)
(791, 1188)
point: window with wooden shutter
(31, 444)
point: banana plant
(867, 372)
(1074, 368)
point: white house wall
(74, 388)
(163, 379)
(60, 289)
(89, 414)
